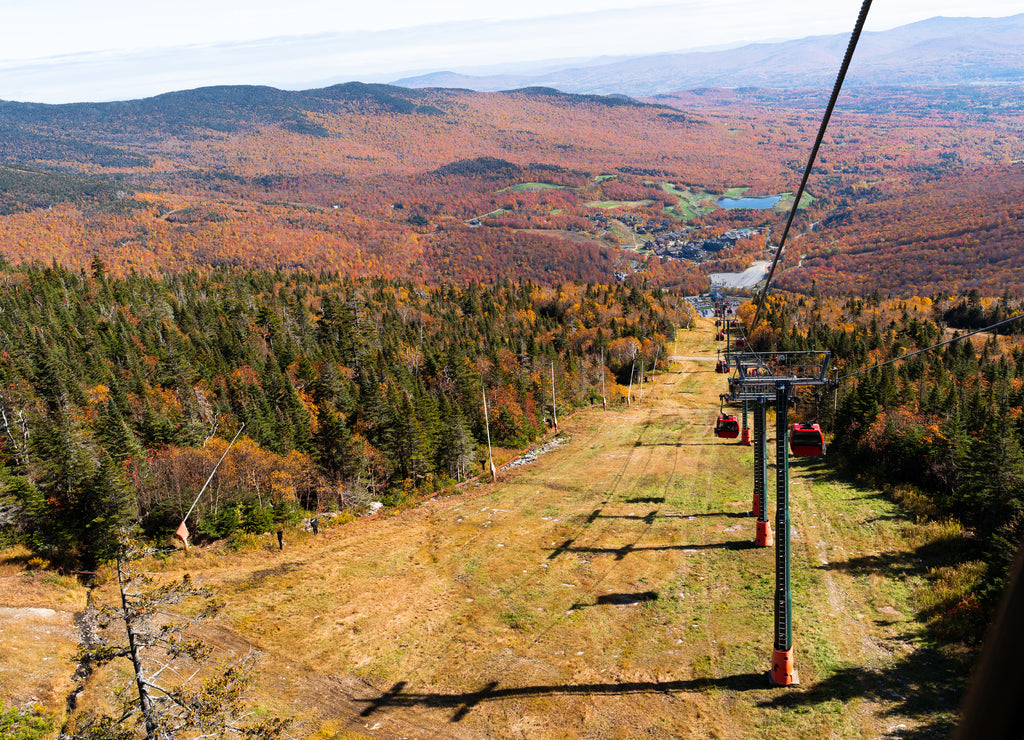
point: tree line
(118, 395)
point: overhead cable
(934, 346)
(814, 151)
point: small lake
(764, 203)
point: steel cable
(854, 37)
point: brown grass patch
(607, 590)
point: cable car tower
(765, 378)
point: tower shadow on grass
(464, 702)
(923, 687)
(621, 552)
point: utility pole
(629, 390)
(727, 325)
(641, 381)
(745, 438)
(487, 426)
(604, 398)
(554, 411)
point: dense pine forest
(119, 395)
(941, 432)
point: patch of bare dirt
(36, 641)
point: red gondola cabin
(722, 367)
(719, 337)
(806, 439)
(741, 342)
(727, 427)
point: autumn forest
(911, 191)
(369, 213)
(343, 277)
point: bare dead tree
(176, 691)
(17, 431)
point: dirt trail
(609, 589)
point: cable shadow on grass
(649, 517)
(622, 552)
(730, 514)
(464, 702)
(563, 487)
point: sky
(58, 51)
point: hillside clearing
(608, 589)
(608, 204)
(740, 280)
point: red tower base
(764, 535)
(783, 671)
(745, 439)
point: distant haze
(66, 51)
(986, 51)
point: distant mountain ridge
(117, 134)
(939, 51)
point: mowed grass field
(609, 590)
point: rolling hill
(537, 184)
(608, 590)
(938, 51)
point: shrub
(257, 519)
(25, 724)
(220, 524)
(37, 563)
(286, 512)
